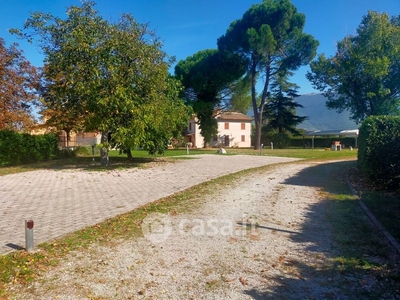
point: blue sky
(188, 26)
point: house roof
(234, 116)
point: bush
(379, 151)
(83, 150)
(17, 148)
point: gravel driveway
(248, 242)
(63, 201)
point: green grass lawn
(386, 208)
(298, 153)
(293, 152)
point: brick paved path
(64, 201)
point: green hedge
(306, 142)
(379, 151)
(18, 148)
(322, 142)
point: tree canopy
(113, 76)
(270, 39)
(364, 74)
(207, 76)
(18, 83)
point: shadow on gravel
(346, 257)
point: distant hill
(320, 117)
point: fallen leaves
(243, 281)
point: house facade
(234, 131)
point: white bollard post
(29, 235)
(93, 146)
(272, 146)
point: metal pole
(29, 235)
(313, 142)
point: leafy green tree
(363, 76)
(112, 75)
(206, 76)
(18, 84)
(270, 38)
(280, 111)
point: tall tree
(270, 38)
(18, 83)
(363, 76)
(280, 111)
(206, 76)
(112, 75)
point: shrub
(17, 148)
(9, 145)
(83, 150)
(379, 151)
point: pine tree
(280, 111)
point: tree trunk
(256, 112)
(129, 153)
(68, 136)
(104, 150)
(257, 140)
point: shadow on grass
(86, 163)
(141, 159)
(346, 257)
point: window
(190, 126)
(226, 125)
(243, 138)
(215, 138)
(243, 126)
